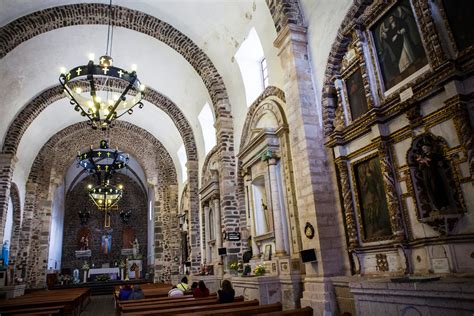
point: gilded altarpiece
(404, 152)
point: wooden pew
(73, 300)
(161, 299)
(194, 309)
(248, 310)
(125, 310)
(54, 310)
(305, 311)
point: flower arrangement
(259, 270)
(234, 266)
(85, 266)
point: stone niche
(77, 199)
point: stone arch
(15, 197)
(336, 54)
(269, 92)
(286, 12)
(50, 162)
(94, 13)
(33, 109)
(211, 156)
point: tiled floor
(100, 305)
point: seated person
(183, 285)
(137, 293)
(201, 290)
(227, 293)
(175, 292)
(125, 292)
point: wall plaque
(233, 236)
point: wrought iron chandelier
(102, 92)
(102, 162)
(105, 196)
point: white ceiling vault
(218, 27)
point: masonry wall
(78, 200)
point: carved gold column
(391, 190)
(349, 212)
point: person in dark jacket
(137, 293)
(201, 290)
(227, 293)
(125, 292)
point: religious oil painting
(372, 201)
(106, 244)
(459, 15)
(398, 44)
(356, 94)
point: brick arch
(33, 109)
(336, 54)
(29, 26)
(15, 197)
(53, 159)
(285, 12)
(139, 143)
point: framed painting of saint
(106, 244)
(371, 195)
(356, 94)
(398, 44)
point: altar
(112, 272)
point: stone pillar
(249, 203)
(194, 221)
(7, 165)
(207, 232)
(276, 209)
(314, 170)
(217, 221)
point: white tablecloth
(103, 271)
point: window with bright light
(206, 119)
(182, 161)
(249, 57)
(264, 68)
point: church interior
(317, 154)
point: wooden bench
(162, 299)
(305, 311)
(52, 310)
(127, 309)
(195, 309)
(237, 311)
(73, 301)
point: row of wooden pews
(188, 305)
(68, 302)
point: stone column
(276, 209)
(349, 212)
(249, 203)
(7, 165)
(217, 221)
(194, 221)
(313, 168)
(206, 232)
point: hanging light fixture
(102, 162)
(105, 196)
(102, 92)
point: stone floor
(100, 305)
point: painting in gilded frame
(372, 199)
(356, 94)
(398, 44)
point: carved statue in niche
(434, 184)
(128, 235)
(268, 217)
(83, 238)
